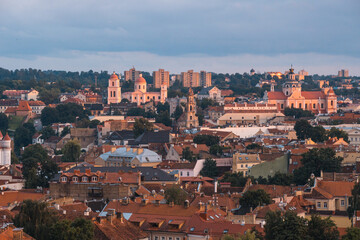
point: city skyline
(215, 36)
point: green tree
(80, 228)
(209, 140)
(209, 168)
(318, 134)
(36, 219)
(47, 132)
(206, 102)
(249, 235)
(94, 123)
(65, 131)
(335, 132)
(253, 146)
(49, 116)
(354, 201)
(297, 112)
(136, 112)
(71, 151)
(4, 123)
(352, 233)
(141, 125)
(178, 112)
(280, 179)
(164, 118)
(22, 138)
(49, 96)
(235, 179)
(287, 226)
(315, 161)
(216, 150)
(38, 168)
(322, 229)
(303, 129)
(71, 112)
(187, 154)
(175, 194)
(255, 198)
(14, 158)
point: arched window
(190, 117)
(110, 94)
(114, 93)
(332, 103)
(190, 108)
(300, 105)
(139, 87)
(94, 178)
(75, 179)
(84, 179)
(287, 93)
(113, 83)
(292, 105)
(63, 179)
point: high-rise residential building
(190, 79)
(343, 73)
(161, 77)
(131, 75)
(205, 79)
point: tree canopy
(297, 113)
(141, 125)
(317, 160)
(206, 139)
(175, 194)
(255, 198)
(38, 168)
(209, 168)
(4, 123)
(71, 151)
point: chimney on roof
(186, 204)
(110, 215)
(18, 233)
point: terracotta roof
(117, 229)
(23, 106)
(183, 165)
(8, 234)
(299, 151)
(223, 201)
(262, 210)
(312, 94)
(318, 193)
(10, 110)
(36, 103)
(273, 190)
(196, 150)
(337, 189)
(18, 196)
(7, 138)
(276, 96)
(221, 134)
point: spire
(191, 92)
(7, 138)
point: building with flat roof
(161, 77)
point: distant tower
(191, 118)
(291, 85)
(292, 74)
(114, 89)
(163, 93)
(5, 150)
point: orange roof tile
(337, 189)
(23, 106)
(276, 96)
(18, 196)
(312, 94)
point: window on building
(314, 106)
(75, 179)
(113, 83)
(84, 179)
(282, 106)
(114, 94)
(332, 103)
(190, 117)
(318, 204)
(177, 238)
(180, 173)
(139, 87)
(94, 178)
(300, 105)
(292, 105)
(110, 94)
(63, 179)
(322, 105)
(163, 238)
(342, 202)
(325, 204)
(143, 86)
(170, 238)
(305, 105)
(188, 174)
(156, 238)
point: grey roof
(94, 106)
(152, 137)
(122, 135)
(148, 173)
(205, 91)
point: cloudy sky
(321, 36)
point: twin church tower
(139, 95)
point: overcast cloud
(321, 36)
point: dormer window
(63, 179)
(84, 179)
(94, 179)
(75, 179)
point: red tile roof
(312, 94)
(23, 106)
(276, 96)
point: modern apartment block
(131, 75)
(343, 73)
(190, 79)
(205, 79)
(161, 77)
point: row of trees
(304, 130)
(43, 223)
